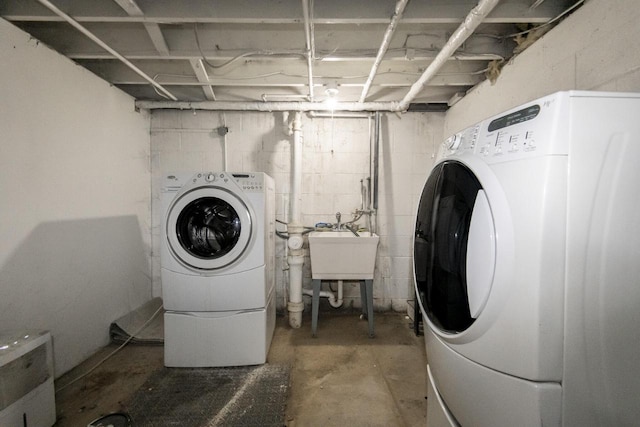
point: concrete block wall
(335, 159)
(595, 48)
(74, 200)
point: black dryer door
(442, 232)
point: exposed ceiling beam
(272, 74)
(158, 40)
(435, 94)
(252, 50)
(270, 106)
(363, 56)
(106, 47)
(326, 12)
(203, 78)
(130, 6)
(153, 29)
(444, 80)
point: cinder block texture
(335, 159)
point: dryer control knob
(453, 142)
(210, 177)
(295, 242)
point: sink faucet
(338, 224)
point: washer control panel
(252, 182)
(249, 182)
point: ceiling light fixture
(331, 90)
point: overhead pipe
(269, 106)
(106, 47)
(386, 40)
(310, 40)
(341, 115)
(295, 228)
(466, 29)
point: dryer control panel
(535, 129)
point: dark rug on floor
(199, 397)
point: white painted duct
(470, 23)
(106, 47)
(295, 228)
(386, 40)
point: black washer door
(208, 228)
(440, 248)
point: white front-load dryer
(488, 261)
(517, 330)
(218, 268)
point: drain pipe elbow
(335, 301)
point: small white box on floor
(27, 395)
(216, 339)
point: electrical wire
(551, 21)
(113, 352)
(239, 57)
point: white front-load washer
(490, 248)
(218, 268)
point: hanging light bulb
(331, 90)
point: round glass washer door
(208, 228)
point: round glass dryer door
(454, 247)
(208, 228)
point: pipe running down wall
(295, 228)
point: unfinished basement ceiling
(266, 51)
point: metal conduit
(386, 40)
(470, 23)
(106, 47)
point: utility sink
(341, 255)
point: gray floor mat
(199, 397)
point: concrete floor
(341, 378)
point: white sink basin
(340, 255)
